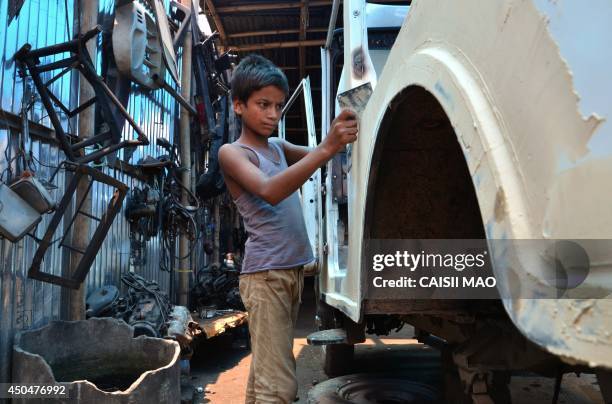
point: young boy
(263, 175)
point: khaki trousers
(272, 299)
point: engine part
(136, 44)
(178, 326)
(147, 306)
(81, 172)
(17, 217)
(141, 202)
(217, 288)
(142, 212)
(101, 302)
(382, 325)
(145, 318)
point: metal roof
(288, 32)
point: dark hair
(255, 72)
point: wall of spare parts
(26, 303)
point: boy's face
(262, 110)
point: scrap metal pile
(145, 306)
(217, 288)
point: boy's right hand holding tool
(343, 130)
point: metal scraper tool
(354, 99)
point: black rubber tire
(345, 389)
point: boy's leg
(272, 300)
(250, 390)
(297, 296)
(245, 287)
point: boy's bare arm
(293, 152)
(276, 188)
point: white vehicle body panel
(310, 192)
(527, 88)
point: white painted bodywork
(527, 88)
(310, 192)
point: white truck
(488, 120)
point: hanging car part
(211, 184)
(81, 173)
(34, 193)
(183, 14)
(136, 45)
(138, 48)
(142, 211)
(119, 83)
(166, 38)
(175, 94)
(211, 84)
(142, 203)
(17, 217)
(79, 59)
(176, 218)
(14, 7)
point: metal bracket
(79, 59)
(81, 172)
(339, 179)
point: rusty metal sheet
(212, 327)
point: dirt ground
(221, 366)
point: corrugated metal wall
(27, 303)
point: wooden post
(185, 136)
(73, 302)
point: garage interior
(173, 276)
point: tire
(371, 388)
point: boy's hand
(343, 130)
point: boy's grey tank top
(277, 234)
